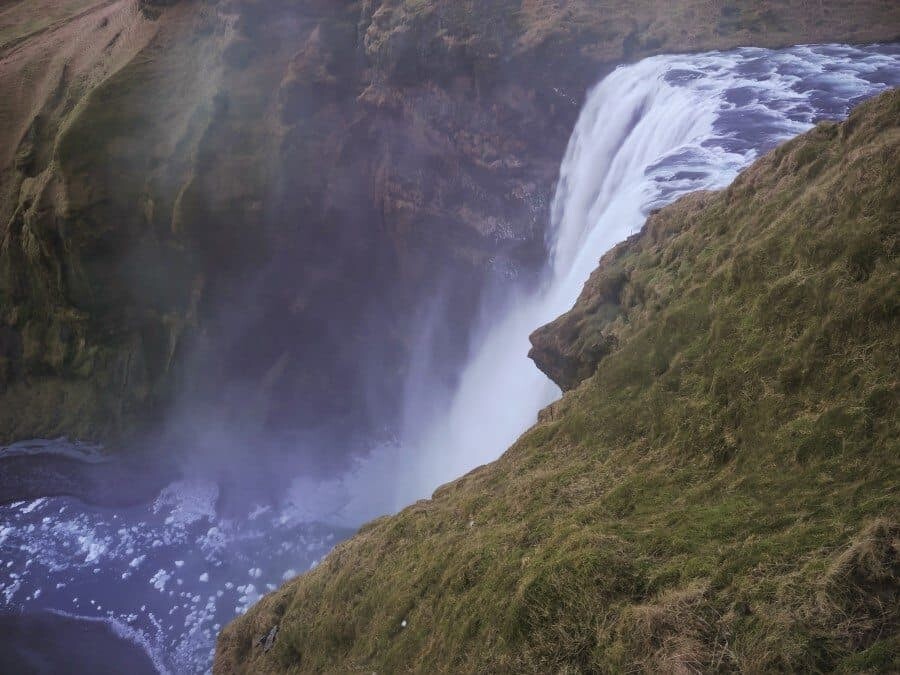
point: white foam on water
(36, 504)
(188, 502)
(175, 557)
(160, 579)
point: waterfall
(647, 134)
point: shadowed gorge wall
(217, 198)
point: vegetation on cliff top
(719, 494)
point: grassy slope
(720, 494)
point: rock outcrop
(717, 493)
(247, 196)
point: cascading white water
(631, 120)
(648, 133)
(167, 574)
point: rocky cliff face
(717, 491)
(255, 195)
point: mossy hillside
(720, 493)
(94, 287)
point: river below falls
(143, 579)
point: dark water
(51, 644)
(140, 575)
